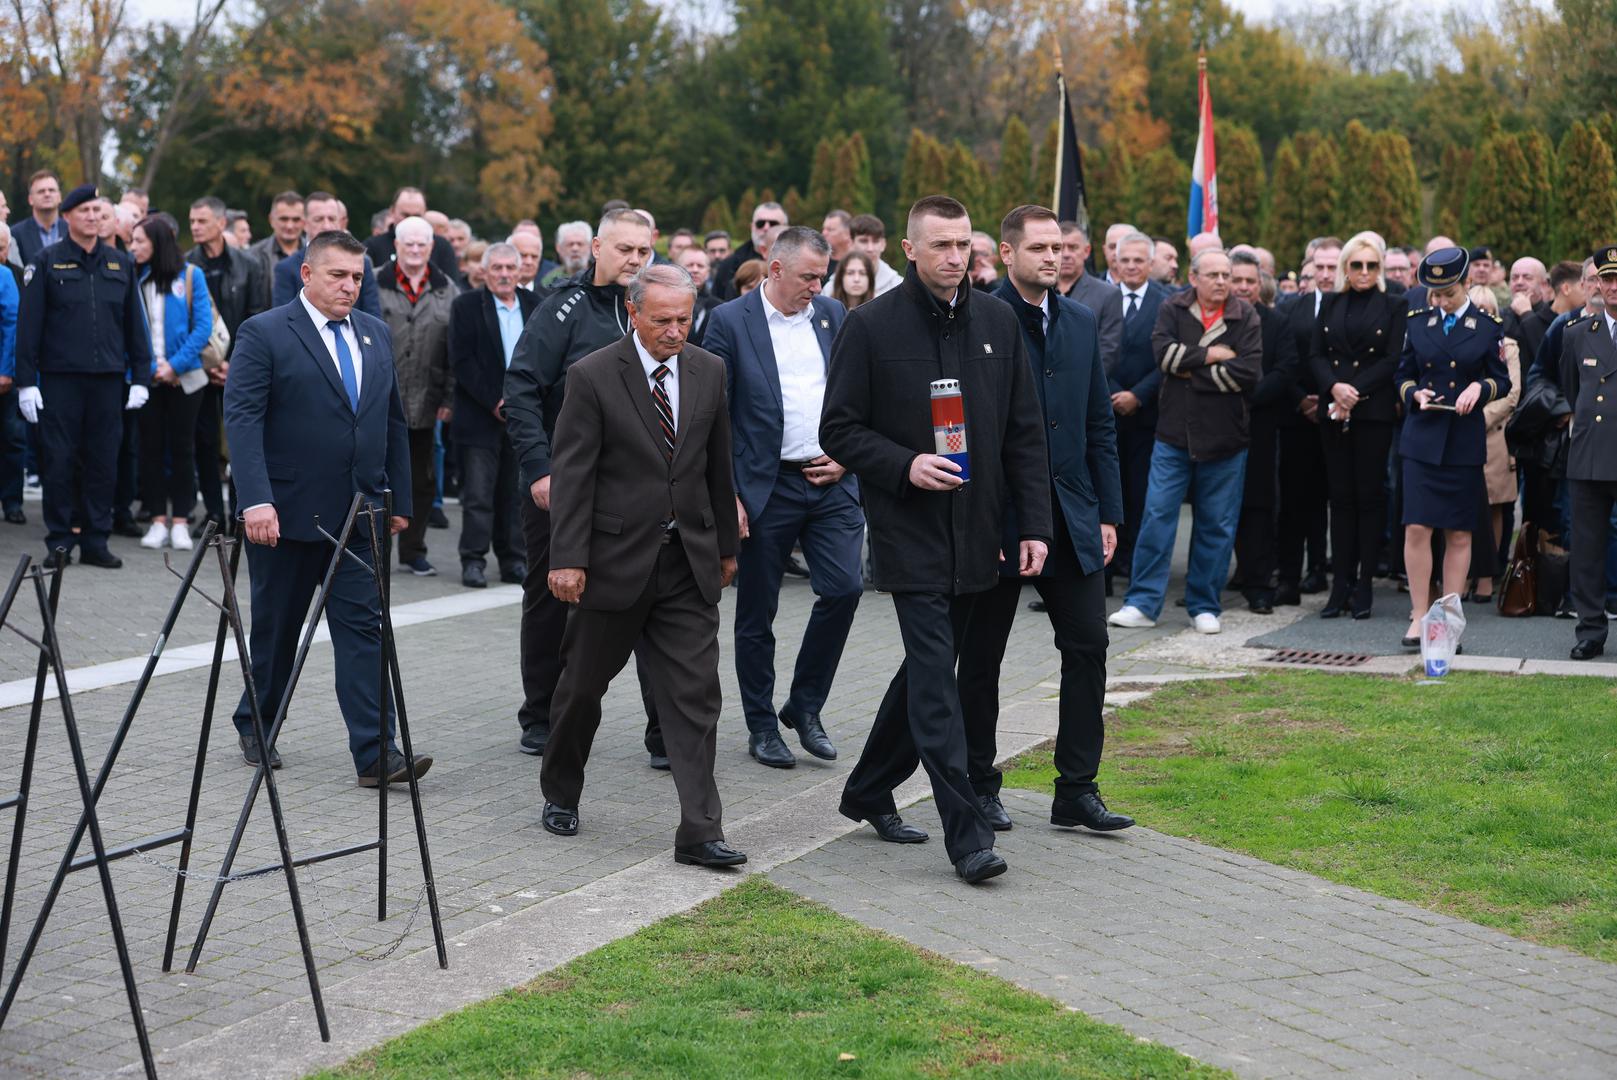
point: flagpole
(1061, 114)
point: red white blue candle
(949, 424)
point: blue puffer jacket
(185, 333)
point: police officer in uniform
(1449, 369)
(81, 343)
(1589, 378)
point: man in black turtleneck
(570, 324)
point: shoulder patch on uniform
(1419, 311)
(118, 266)
(1492, 316)
(28, 274)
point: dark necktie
(1134, 306)
(665, 412)
(1611, 324)
(345, 364)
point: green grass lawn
(760, 983)
(1489, 797)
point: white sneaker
(180, 536)
(156, 536)
(1206, 623)
(1130, 616)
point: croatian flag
(1203, 167)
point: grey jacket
(420, 334)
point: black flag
(1069, 199)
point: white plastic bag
(1440, 630)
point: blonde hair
(1365, 239)
(1484, 298)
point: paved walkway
(514, 897)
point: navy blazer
(1136, 369)
(738, 333)
(1079, 430)
(1448, 363)
(289, 282)
(294, 440)
(477, 358)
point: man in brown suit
(643, 542)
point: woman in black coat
(1357, 340)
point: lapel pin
(825, 324)
(366, 340)
(1588, 361)
(1432, 321)
(987, 348)
(1470, 323)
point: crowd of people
(1328, 425)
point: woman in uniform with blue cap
(1449, 370)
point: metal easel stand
(49, 646)
(391, 690)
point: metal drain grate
(1318, 659)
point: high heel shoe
(1338, 601)
(1362, 597)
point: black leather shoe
(398, 770)
(793, 567)
(471, 576)
(515, 574)
(533, 741)
(994, 811)
(56, 559)
(102, 558)
(1587, 650)
(1090, 812)
(437, 519)
(559, 820)
(1288, 595)
(711, 853)
(1036, 605)
(1261, 602)
(17, 517)
(658, 761)
(1337, 603)
(1314, 582)
(1363, 596)
(768, 748)
(1410, 642)
(811, 733)
(249, 751)
(980, 866)
(890, 827)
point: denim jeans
(1215, 499)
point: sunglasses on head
(766, 223)
(1359, 265)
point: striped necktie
(665, 413)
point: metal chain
(307, 883)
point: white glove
(30, 402)
(137, 396)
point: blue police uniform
(1443, 452)
(1588, 377)
(81, 339)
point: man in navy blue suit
(313, 415)
(323, 212)
(1134, 383)
(776, 345)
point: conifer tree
(1162, 191)
(1395, 211)
(1285, 230)
(1013, 179)
(1586, 205)
(1240, 184)
(1321, 191)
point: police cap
(1605, 259)
(1444, 267)
(78, 197)
(1482, 252)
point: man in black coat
(1134, 383)
(1086, 498)
(768, 221)
(411, 202)
(935, 534)
(484, 328)
(1302, 454)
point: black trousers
(1134, 445)
(919, 722)
(544, 621)
(423, 488)
(1255, 548)
(1356, 478)
(168, 424)
(676, 634)
(1076, 605)
(1592, 502)
(1302, 502)
(209, 439)
(489, 491)
(285, 579)
(80, 436)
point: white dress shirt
(1138, 296)
(670, 383)
(330, 342)
(801, 366)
